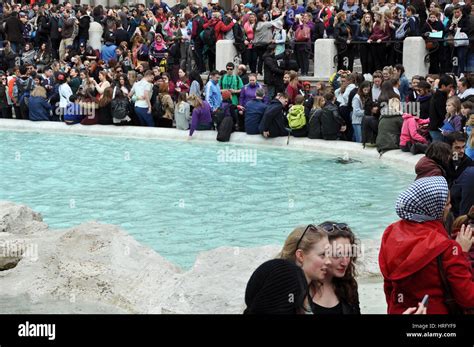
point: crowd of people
(145, 68)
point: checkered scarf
(424, 200)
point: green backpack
(296, 117)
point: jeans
(436, 135)
(357, 132)
(146, 119)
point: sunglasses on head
(331, 227)
(309, 227)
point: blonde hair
(39, 91)
(369, 26)
(470, 122)
(293, 78)
(382, 19)
(339, 17)
(195, 101)
(311, 237)
(456, 103)
(318, 102)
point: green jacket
(390, 128)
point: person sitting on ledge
(201, 118)
(273, 122)
(254, 111)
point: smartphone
(424, 302)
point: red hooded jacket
(408, 261)
(219, 27)
(427, 167)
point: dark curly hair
(345, 287)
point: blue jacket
(39, 108)
(108, 52)
(213, 95)
(254, 110)
(291, 13)
(462, 192)
(404, 88)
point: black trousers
(378, 51)
(252, 59)
(7, 112)
(260, 52)
(302, 58)
(366, 59)
(198, 55)
(345, 59)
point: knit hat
(424, 200)
(276, 287)
(226, 95)
(260, 93)
(248, 5)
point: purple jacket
(248, 93)
(201, 116)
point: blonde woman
(38, 105)
(470, 134)
(364, 30)
(380, 33)
(314, 122)
(453, 119)
(308, 247)
(164, 107)
(343, 35)
(201, 118)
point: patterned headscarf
(424, 200)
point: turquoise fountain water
(181, 198)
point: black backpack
(120, 108)
(208, 36)
(158, 109)
(225, 129)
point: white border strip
(402, 160)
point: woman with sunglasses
(309, 249)
(337, 292)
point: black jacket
(54, 26)
(331, 122)
(44, 26)
(120, 36)
(456, 168)
(273, 74)
(14, 29)
(462, 193)
(273, 120)
(424, 102)
(3, 95)
(314, 125)
(437, 109)
(84, 24)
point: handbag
(303, 34)
(460, 38)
